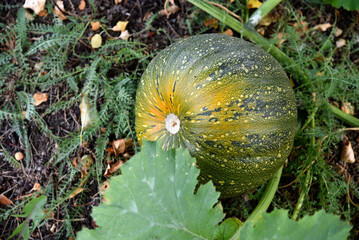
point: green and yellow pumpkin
(226, 100)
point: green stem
(261, 12)
(349, 119)
(263, 203)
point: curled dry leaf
(76, 192)
(59, 9)
(85, 164)
(253, 4)
(125, 35)
(4, 200)
(19, 156)
(96, 41)
(121, 145)
(117, 1)
(95, 26)
(120, 26)
(113, 167)
(337, 32)
(347, 154)
(40, 98)
(340, 43)
(82, 5)
(36, 5)
(36, 187)
(211, 22)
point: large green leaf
(347, 4)
(277, 225)
(154, 198)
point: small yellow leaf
(254, 4)
(120, 26)
(40, 98)
(95, 26)
(76, 192)
(36, 5)
(96, 41)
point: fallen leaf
(59, 9)
(211, 22)
(74, 162)
(266, 21)
(113, 167)
(253, 4)
(82, 5)
(348, 108)
(43, 13)
(36, 5)
(40, 98)
(125, 35)
(53, 228)
(36, 188)
(85, 164)
(4, 200)
(347, 154)
(337, 32)
(301, 27)
(88, 112)
(95, 26)
(76, 192)
(261, 31)
(121, 145)
(148, 14)
(117, 1)
(96, 41)
(322, 27)
(228, 32)
(281, 39)
(19, 156)
(341, 43)
(120, 26)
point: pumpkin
(226, 100)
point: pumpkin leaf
(277, 225)
(32, 211)
(154, 198)
(347, 4)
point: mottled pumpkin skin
(235, 105)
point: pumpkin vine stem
(263, 204)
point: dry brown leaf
(43, 13)
(301, 27)
(228, 32)
(95, 26)
(40, 98)
(53, 228)
(347, 154)
(148, 14)
(76, 192)
(125, 35)
(253, 4)
(348, 108)
(120, 26)
(322, 27)
(341, 43)
(281, 39)
(74, 162)
(121, 145)
(96, 41)
(36, 5)
(4, 200)
(113, 167)
(59, 9)
(117, 1)
(19, 156)
(82, 5)
(266, 21)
